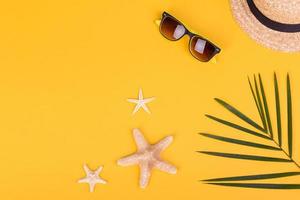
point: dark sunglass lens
(202, 49)
(172, 29)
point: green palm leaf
(260, 185)
(278, 112)
(240, 142)
(240, 114)
(265, 103)
(258, 106)
(290, 117)
(259, 100)
(254, 177)
(261, 103)
(245, 157)
(238, 127)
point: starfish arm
(148, 100)
(166, 167)
(102, 181)
(145, 173)
(141, 94)
(92, 186)
(133, 101)
(136, 108)
(163, 144)
(83, 180)
(144, 106)
(86, 169)
(129, 160)
(99, 170)
(139, 139)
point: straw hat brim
(282, 41)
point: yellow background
(67, 68)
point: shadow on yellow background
(67, 68)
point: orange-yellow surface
(67, 68)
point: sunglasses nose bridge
(189, 33)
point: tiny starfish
(148, 157)
(92, 177)
(141, 102)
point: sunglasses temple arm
(214, 60)
(157, 22)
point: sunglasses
(199, 47)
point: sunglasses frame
(190, 34)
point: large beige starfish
(148, 157)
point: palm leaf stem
(286, 154)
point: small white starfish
(141, 102)
(148, 157)
(92, 177)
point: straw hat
(272, 23)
